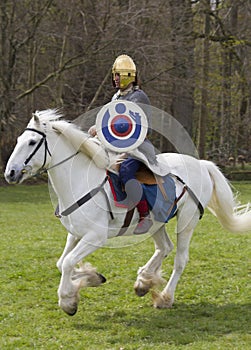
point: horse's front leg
(150, 274)
(68, 291)
(71, 243)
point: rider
(124, 79)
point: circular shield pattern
(121, 126)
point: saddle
(145, 176)
(160, 192)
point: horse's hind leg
(165, 299)
(150, 274)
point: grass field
(212, 309)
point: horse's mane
(53, 117)
(48, 115)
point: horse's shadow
(183, 324)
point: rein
(82, 200)
(42, 171)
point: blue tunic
(130, 166)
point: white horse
(52, 144)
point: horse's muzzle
(15, 175)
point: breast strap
(87, 197)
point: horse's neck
(74, 177)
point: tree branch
(99, 89)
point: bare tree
(222, 81)
(15, 37)
(59, 53)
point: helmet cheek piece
(125, 79)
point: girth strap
(127, 221)
(192, 195)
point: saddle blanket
(162, 208)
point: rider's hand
(92, 131)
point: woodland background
(193, 58)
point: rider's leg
(135, 196)
(145, 221)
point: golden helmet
(125, 67)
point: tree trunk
(182, 105)
(204, 89)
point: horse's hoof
(72, 313)
(140, 291)
(70, 308)
(102, 278)
(161, 301)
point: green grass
(212, 309)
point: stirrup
(56, 213)
(144, 225)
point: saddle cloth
(161, 197)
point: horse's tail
(233, 217)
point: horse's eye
(32, 143)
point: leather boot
(145, 221)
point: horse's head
(31, 152)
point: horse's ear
(56, 129)
(35, 116)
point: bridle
(46, 148)
(46, 151)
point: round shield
(121, 126)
